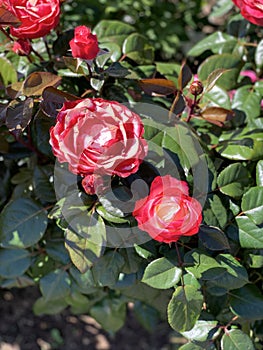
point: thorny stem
(47, 48)
(37, 54)
(191, 111)
(6, 34)
(229, 324)
(89, 69)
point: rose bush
(37, 17)
(102, 238)
(252, 10)
(168, 212)
(84, 44)
(98, 136)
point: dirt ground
(20, 329)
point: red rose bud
(196, 88)
(251, 10)
(37, 17)
(95, 136)
(95, 184)
(84, 44)
(22, 47)
(168, 212)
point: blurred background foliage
(169, 25)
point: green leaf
(18, 282)
(43, 183)
(259, 54)
(255, 261)
(259, 173)
(86, 224)
(147, 250)
(113, 31)
(246, 148)
(23, 222)
(49, 307)
(169, 70)
(97, 84)
(213, 238)
(184, 308)
(224, 271)
(233, 180)
(56, 250)
(162, 273)
(218, 211)
(79, 303)
(213, 42)
(137, 47)
(250, 235)
(220, 8)
(252, 204)
(132, 260)
(235, 275)
(146, 315)
(116, 70)
(84, 282)
(202, 331)
(83, 252)
(8, 73)
(248, 100)
(14, 262)
(111, 313)
(247, 302)
(108, 216)
(191, 346)
(218, 96)
(235, 339)
(179, 141)
(213, 77)
(55, 285)
(202, 263)
(107, 269)
(223, 61)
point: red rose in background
(98, 136)
(252, 10)
(84, 44)
(37, 17)
(22, 47)
(168, 212)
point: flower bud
(196, 88)
(22, 47)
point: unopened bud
(22, 47)
(196, 88)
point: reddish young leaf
(217, 115)
(161, 87)
(185, 76)
(8, 19)
(36, 82)
(53, 100)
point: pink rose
(252, 10)
(37, 17)
(98, 136)
(22, 47)
(84, 44)
(168, 212)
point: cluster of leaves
(209, 286)
(162, 22)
